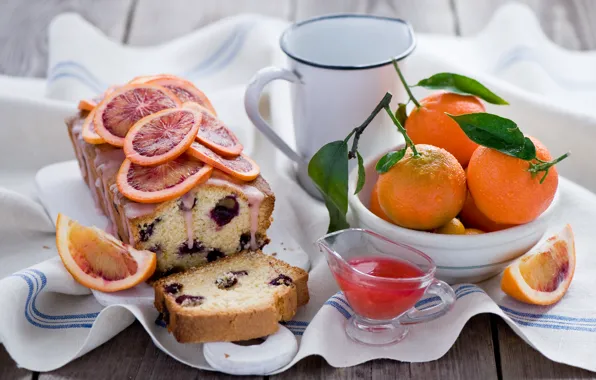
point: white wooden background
(486, 348)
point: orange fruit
(99, 261)
(214, 134)
(154, 184)
(241, 167)
(453, 227)
(429, 124)
(543, 276)
(161, 136)
(123, 107)
(425, 192)
(474, 218)
(505, 191)
(375, 207)
(89, 133)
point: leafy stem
(403, 81)
(357, 132)
(544, 166)
(402, 130)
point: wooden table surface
(486, 349)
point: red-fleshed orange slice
(89, 133)
(162, 136)
(122, 108)
(543, 276)
(241, 167)
(214, 134)
(99, 261)
(90, 104)
(154, 184)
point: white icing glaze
(188, 201)
(255, 198)
(134, 210)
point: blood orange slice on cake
(214, 134)
(543, 276)
(90, 104)
(89, 133)
(162, 136)
(153, 184)
(99, 261)
(241, 167)
(121, 109)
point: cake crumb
(226, 356)
(45, 247)
(274, 253)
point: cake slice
(240, 297)
(218, 218)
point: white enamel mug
(341, 67)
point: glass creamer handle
(251, 104)
(447, 296)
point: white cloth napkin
(48, 319)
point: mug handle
(251, 104)
(447, 296)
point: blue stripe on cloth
(547, 316)
(36, 321)
(339, 308)
(552, 326)
(80, 78)
(75, 67)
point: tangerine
(503, 188)
(374, 206)
(423, 192)
(474, 218)
(429, 124)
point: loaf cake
(240, 297)
(216, 218)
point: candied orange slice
(89, 133)
(543, 276)
(214, 134)
(154, 184)
(122, 108)
(241, 167)
(99, 261)
(162, 136)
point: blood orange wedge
(162, 136)
(241, 167)
(97, 260)
(542, 276)
(214, 134)
(154, 184)
(89, 133)
(122, 108)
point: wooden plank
(158, 21)
(520, 361)
(130, 355)
(9, 369)
(427, 16)
(471, 357)
(24, 24)
(569, 23)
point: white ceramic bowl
(459, 258)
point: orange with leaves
(423, 192)
(472, 217)
(429, 124)
(503, 188)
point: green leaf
(328, 169)
(401, 114)
(460, 84)
(496, 132)
(388, 160)
(361, 174)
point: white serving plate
(61, 189)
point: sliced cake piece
(237, 298)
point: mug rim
(406, 53)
